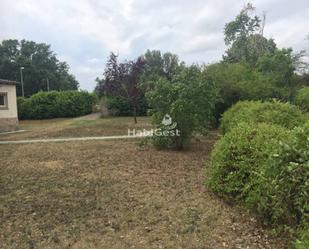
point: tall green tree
(159, 65)
(245, 39)
(40, 64)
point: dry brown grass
(115, 194)
(81, 127)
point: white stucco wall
(11, 112)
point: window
(3, 101)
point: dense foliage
(253, 67)
(302, 98)
(270, 177)
(44, 105)
(189, 99)
(159, 65)
(303, 241)
(274, 112)
(244, 35)
(238, 156)
(267, 167)
(121, 107)
(272, 78)
(238, 81)
(280, 190)
(121, 81)
(40, 64)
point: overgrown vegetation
(45, 105)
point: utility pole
(47, 83)
(22, 81)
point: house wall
(8, 117)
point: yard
(114, 194)
(90, 125)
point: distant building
(8, 106)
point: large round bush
(237, 157)
(274, 112)
(302, 98)
(280, 192)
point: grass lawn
(115, 194)
(90, 125)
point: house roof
(7, 82)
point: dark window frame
(5, 106)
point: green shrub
(303, 241)
(302, 98)
(189, 99)
(275, 112)
(73, 103)
(45, 105)
(121, 107)
(237, 157)
(23, 108)
(267, 167)
(280, 191)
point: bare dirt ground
(116, 194)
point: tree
(158, 65)
(40, 63)
(279, 66)
(243, 26)
(121, 80)
(245, 39)
(189, 99)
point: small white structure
(8, 106)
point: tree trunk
(134, 113)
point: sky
(84, 32)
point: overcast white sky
(83, 32)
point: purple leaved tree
(122, 80)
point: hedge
(266, 167)
(54, 104)
(280, 191)
(238, 156)
(271, 112)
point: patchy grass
(115, 194)
(78, 127)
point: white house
(8, 106)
